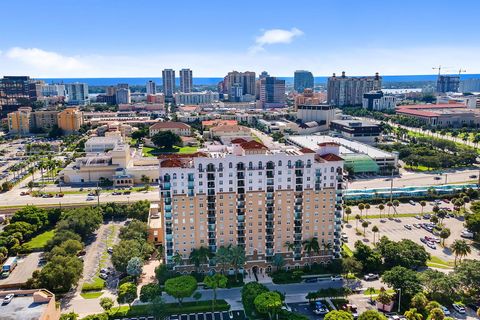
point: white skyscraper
(151, 87)
(77, 93)
(186, 82)
(168, 76)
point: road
(418, 179)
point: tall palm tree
(177, 259)
(357, 217)
(361, 206)
(460, 248)
(365, 226)
(200, 256)
(396, 204)
(374, 230)
(290, 246)
(423, 204)
(381, 207)
(327, 246)
(348, 211)
(311, 245)
(367, 207)
(223, 257)
(238, 259)
(389, 205)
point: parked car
(352, 309)
(446, 200)
(416, 226)
(427, 216)
(466, 234)
(90, 198)
(431, 245)
(437, 178)
(445, 310)
(411, 202)
(418, 217)
(320, 308)
(458, 308)
(423, 240)
(336, 278)
(370, 276)
(103, 276)
(473, 176)
(8, 298)
(284, 307)
(407, 226)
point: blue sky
(115, 38)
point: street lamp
(399, 298)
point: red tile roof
(251, 145)
(324, 144)
(170, 125)
(433, 106)
(421, 113)
(182, 155)
(306, 150)
(239, 140)
(331, 157)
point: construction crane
(461, 71)
(439, 68)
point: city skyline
(279, 43)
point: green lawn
(436, 262)
(171, 308)
(153, 152)
(91, 295)
(385, 216)
(41, 240)
(347, 250)
(256, 138)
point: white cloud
(274, 36)
(44, 60)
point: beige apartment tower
(247, 195)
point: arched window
(279, 163)
(289, 163)
(200, 167)
(174, 176)
(220, 166)
(260, 165)
(332, 169)
(309, 162)
(250, 165)
(230, 165)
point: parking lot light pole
(399, 298)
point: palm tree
(370, 291)
(146, 181)
(423, 204)
(361, 206)
(348, 211)
(327, 246)
(278, 261)
(311, 245)
(365, 226)
(444, 234)
(238, 259)
(177, 259)
(374, 230)
(460, 248)
(200, 256)
(30, 185)
(41, 166)
(389, 205)
(223, 257)
(396, 203)
(413, 314)
(367, 207)
(357, 217)
(290, 246)
(381, 207)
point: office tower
(110, 90)
(272, 93)
(447, 83)
(53, 90)
(377, 100)
(77, 93)
(245, 80)
(168, 77)
(348, 91)
(186, 80)
(236, 92)
(302, 80)
(123, 96)
(470, 85)
(151, 87)
(249, 196)
(20, 121)
(14, 93)
(70, 120)
(123, 86)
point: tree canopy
(181, 287)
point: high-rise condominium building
(122, 96)
(470, 85)
(344, 91)
(249, 196)
(77, 93)
(17, 91)
(151, 87)
(53, 90)
(168, 77)
(302, 80)
(272, 93)
(186, 80)
(244, 80)
(446, 83)
(70, 120)
(20, 121)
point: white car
(371, 276)
(286, 307)
(466, 234)
(336, 278)
(8, 298)
(445, 310)
(431, 245)
(407, 226)
(458, 308)
(90, 198)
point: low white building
(377, 100)
(102, 144)
(196, 98)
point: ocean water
(214, 81)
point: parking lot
(23, 271)
(395, 230)
(225, 315)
